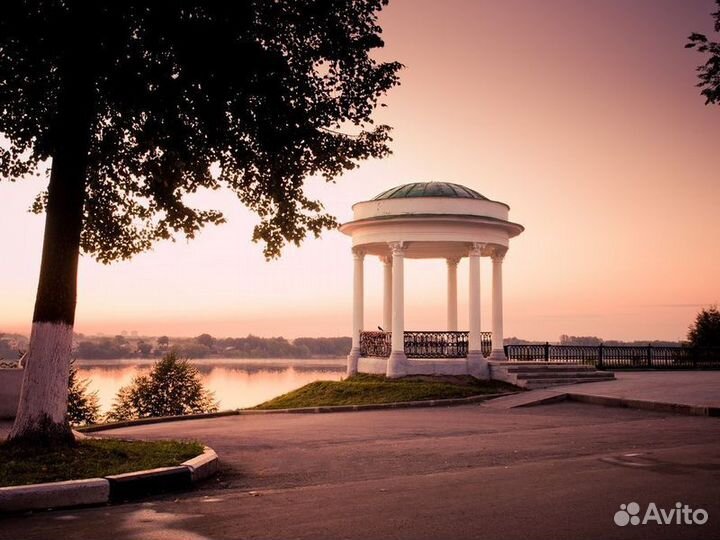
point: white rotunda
(428, 220)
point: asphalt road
(556, 471)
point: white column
(452, 324)
(387, 293)
(398, 298)
(396, 361)
(476, 364)
(498, 352)
(474, 300)
(358, 309)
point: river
(236, 383)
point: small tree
(205, 339)
(172, 388)
(83, 405)
(709, 72)
(705, 331)
(163, 341)
(144, 348)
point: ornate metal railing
(375, 344)
(428, 344)
(618, 356)
(486, 343)
(423, 344)
(434, 344)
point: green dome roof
(430, 189)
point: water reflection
(236, 383)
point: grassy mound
(365, 389)
(89, 458)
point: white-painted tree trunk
(43, 397)
(41, 417)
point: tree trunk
(42, 411)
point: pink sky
(582, 116)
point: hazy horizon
(130, 335)
(583, 117)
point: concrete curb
(301, 410)
(612, 401)
(155, 420)
(133, 485)
(204, 465)
(379, 406)
(110, 489)
(54, 495)
(556, 398)
(658, 406)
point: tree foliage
(580, 340)
(83, 405)
(709, 72)
(205, 339)
(258, 347)
(101, 348)
(705, 330)
(187, 95)
(172, 388)
(144, 348)
(105, 348)
(332, 346)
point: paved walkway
(555, 471)
(691, 388)
(695, 388)
(688, 388)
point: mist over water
(236, 383)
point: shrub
(83, 405)
(705, 330)
(172, 388)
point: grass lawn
(90, 458)
(362, 389)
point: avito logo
(681, 514)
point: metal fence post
(547, 351)
(649, 354)
(600, 356)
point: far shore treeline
(203, 346)
(102, 347)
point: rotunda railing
(423, 344)
(375, 344)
